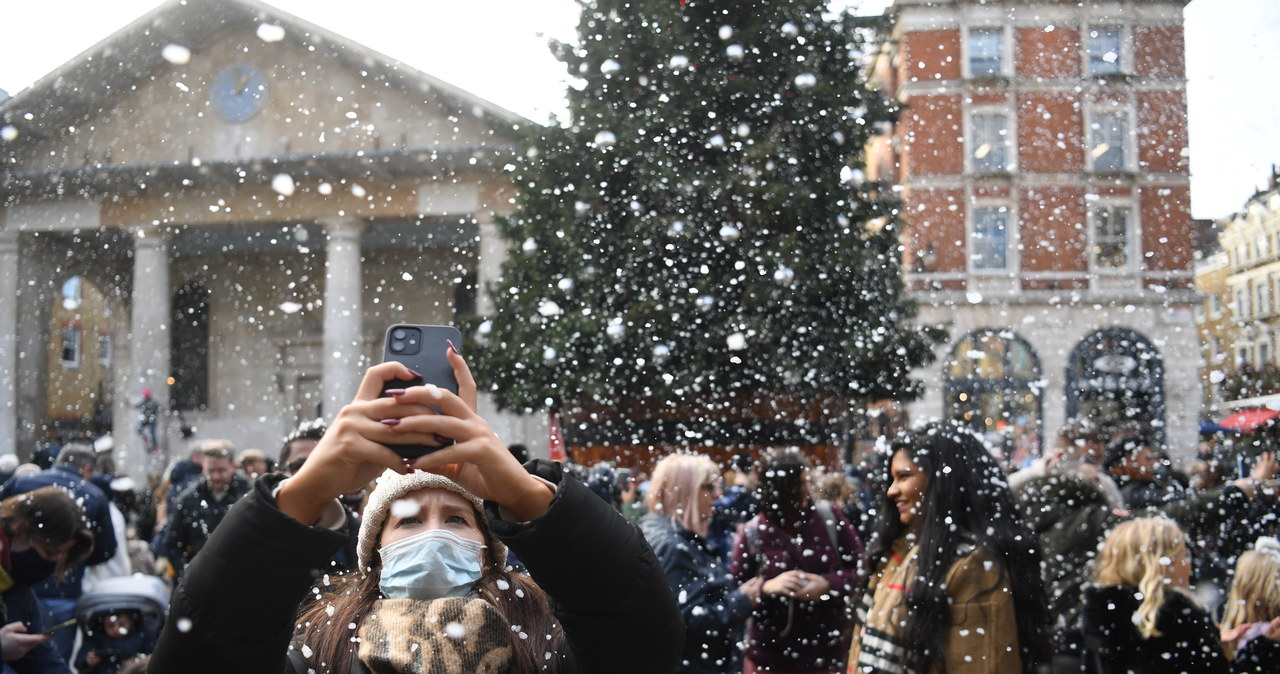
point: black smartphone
(62, 625)
(423, 349)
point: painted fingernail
(452, 347)
(442, 440)
(395, 392)
(391, 422)
(414, 373)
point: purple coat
(819, 634)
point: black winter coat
(1260, 656)
(234, 610)
(195, 515)
(715, 613)
(1188, 642)
(1071, 518)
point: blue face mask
(430, 565)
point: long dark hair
(781, 489)
(349, 596)
(966, 500)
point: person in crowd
(73, 472)
(839, 489)
(202, 506)
(735, 506)
(1139, 615)
(808, 555)
(1132, 461)
(956, 580)
(299, 444)
(111, 642)
(714, 606)
(43, 534)
(602, 479)
(1077, 440)
(148, 419)
(432, 545)
(630, 502)
(1250, 625)
(1071, 509)
(252, 463)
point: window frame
(1010, 237)
(1133, 235)
(77, 348)
(971, 139)
(1004, 64)
(1128, 146)
(1124, 57)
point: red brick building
(1042, 161)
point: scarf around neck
(454, 635)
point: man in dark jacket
(73, 472)
(199, 509)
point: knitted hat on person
(392, 487)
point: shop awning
(1249, 419)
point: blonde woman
(1139, 617)
(714, 606)
(1251, 619)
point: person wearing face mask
(431, 592)
(43, 534)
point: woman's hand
(16, 643)
(787, 583)
(478, 460)
(753, 589)
(815, 588)
(354, 449)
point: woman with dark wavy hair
(956, 583)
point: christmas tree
(700, 230)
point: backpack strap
(828, 515)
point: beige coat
(982, 637)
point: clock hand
(244, 82)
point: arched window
(992, 383)
(189, 357)
(1117, 375)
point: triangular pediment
(231, 83)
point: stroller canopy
(148, 595)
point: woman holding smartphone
(431, 587)
(956, 582)
(43, 533)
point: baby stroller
(119, 618)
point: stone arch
(993, 383)
(1117, 375)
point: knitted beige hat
(392, 487)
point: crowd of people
(339, 555)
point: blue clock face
(238, 92)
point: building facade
(1042, 162)
(1240, 320)
(254, 199)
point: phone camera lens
(397, 345)
(399, 334)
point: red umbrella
(1249, 419)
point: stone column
(490, 255)
(149, 345)
(342, 362)
(8, 341)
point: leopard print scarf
(455, 635)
